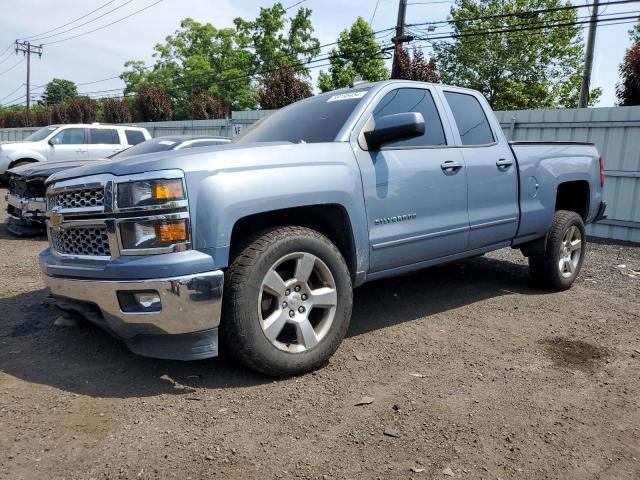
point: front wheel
(558, 266)
(287, 302)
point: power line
(69, 23)
(7, 96)
(107, 25)
(85, 23)
(11, 68)
(525, 28)
(522, 14)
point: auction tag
(347, 96)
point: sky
(102, 54)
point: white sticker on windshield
(347, 96)
(166, 142)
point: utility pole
(400, 36)
(588, 63)
(27, 49)
(402, 16)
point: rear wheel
(559, 265)
(288, 298)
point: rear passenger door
(415, 189)
(103, 142)
(491, 170)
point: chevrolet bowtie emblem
(55, 219)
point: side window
(134, 137)
(405, 100)
(71, 136)
(470, 118)
(104, 136)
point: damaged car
(26, 183)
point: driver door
(69, 144)
(415, 189)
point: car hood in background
(44, 169)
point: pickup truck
(26, 183)
(257, 245)
(78, 142)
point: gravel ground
(470, 371)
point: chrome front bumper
(29, 208)
(190, 305)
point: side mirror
(54, 141)
(390, 128)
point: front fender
(225, 197)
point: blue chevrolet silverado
(257, 245)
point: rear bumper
(183, 327)
(600, 215)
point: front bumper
(183, 328)
(26, 215)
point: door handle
(503, 163)
(450, 166)
(81, 151)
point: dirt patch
(574, 353)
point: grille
(92, 197)
(92, 241)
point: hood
(203, 158)
(44, 169)
(14, 145)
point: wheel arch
(574, 196)
(331, 220)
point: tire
(559, 265)
(257, 304)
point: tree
(117, 110)
(197, 57)
(358, 53)
(416, 68)
(628, 90)
(153, 104)
(82, 110)
(519, 69)
(282, 88)
(277, 41)
(59, 90)
(204, 106)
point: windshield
(150, 146)
(314, 120)
(40, 134)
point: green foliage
(634, 34)
(282, 88)
(277, 41)
(515, 70)
(200, 57)
(59, 90)
(358, 53)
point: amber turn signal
(168, 190)
(171, 232)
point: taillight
(601, 172)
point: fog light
(140, 302)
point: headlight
(154, 233)
(149, 192)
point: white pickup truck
(69, 142)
